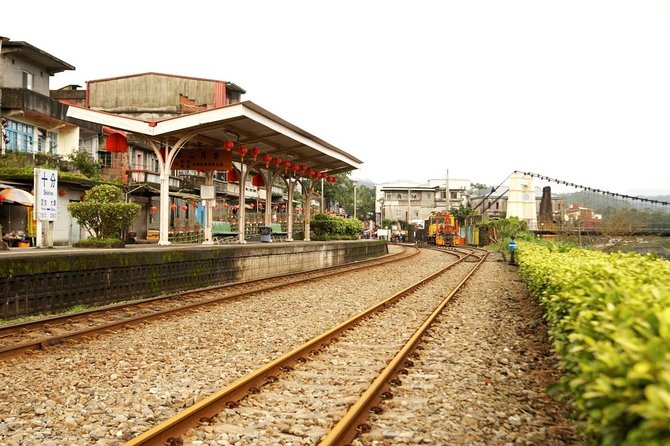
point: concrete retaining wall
(43, 281)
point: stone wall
(49, 281)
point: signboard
(207, 192)
(511, 245)
(46, 194)
(203, 160)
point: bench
(277, 233)
(222, 232)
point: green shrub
(610, 323)
(333, 227)
(100, 243)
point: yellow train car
(442, 230)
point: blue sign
(511, 245)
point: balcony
(35, 104)
(141, 176)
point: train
(441, 229)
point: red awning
(110, 131)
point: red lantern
(255, 151)
(303, 167)
(266, 160)
(243, 150)
(295, 168)
(229, 145)
(173, 206)
(283, 206)
(275, 207)
(184, 207)
(232, 176)
(257, 180)
(153, 209)
(251, 205)
(225, 204)
(116, 142)
(277, 161)
(286, 164)
(310, 173)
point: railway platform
(34, 281)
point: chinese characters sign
(202, 160)
(46, 194)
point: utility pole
(322, 209)
(354, 183)
(447, 194)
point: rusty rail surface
(45, 343)
(169, 431)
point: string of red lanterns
(296, 169)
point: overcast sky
(575, 90)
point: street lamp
(354, 183)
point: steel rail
(353, 421)
(169, 431)
(45, 343)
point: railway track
(323, 390)
(41, 334)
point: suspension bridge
(567, 206)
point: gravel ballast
(481, 375)
(108, 389)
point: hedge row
(610, 323)
(333, 227)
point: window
(415, 196)
(454, 195)
(399, 196)
(53, 137)
(429, 196)
(105, 158)
(20, 136)
(415, 215)
(47, 141)
(27, 80)
(399, 214)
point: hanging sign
(203, 160)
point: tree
(342, 193)
(462, 213)
(103, 212)
(85, 164)
(365, 203)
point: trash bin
(266, 234)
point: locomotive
(441, 229)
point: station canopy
(244, 123)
